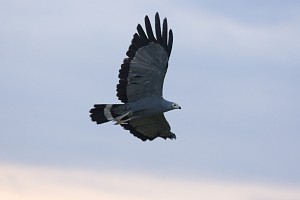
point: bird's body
(150, 106)
(140, 86)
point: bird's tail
(102, 113)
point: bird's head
(175, 106)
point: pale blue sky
(234, 70)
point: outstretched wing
(142, 73)
(150, 128)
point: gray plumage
(140, 85)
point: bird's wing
(142, 73)
(150, 128)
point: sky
(234, 70)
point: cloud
(35, 183)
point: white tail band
(107, 112)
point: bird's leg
(123, 121)
(119, 119)
(122, 116)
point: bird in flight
(140, 86)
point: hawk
(140, 86)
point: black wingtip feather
(142, 35)
(158, 28)
(165, 33)
(170, 42)
(149, 29)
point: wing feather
(170, 43)
(165, 33)
(158, 28)
(142, 34)
(149, 30)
